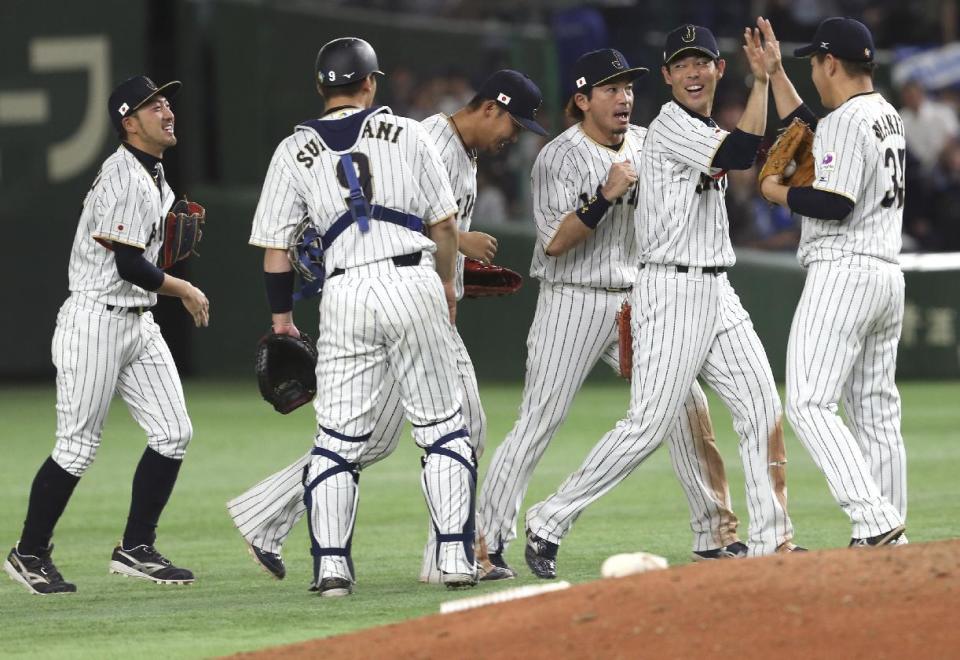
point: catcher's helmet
(344, 61)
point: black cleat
(271, 562)
(37, 573)
(500, 570)
(333, 587)
(145, 563)
(735, 550)
(887, 538)
(541, 556)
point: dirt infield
(897, 602)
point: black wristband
(592, 212)
(279, 291)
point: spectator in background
(754, 222)
(944, 234)
(929, 125)
(492, 208)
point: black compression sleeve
(135, 269)
(821, 204)
(737, 151)
(803, 113)
(279, 291)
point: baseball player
(585, 197)
(687, 320)
(107, 342)
(371, 182)
(505, 104)
(843, 341)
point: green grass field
(234, 606)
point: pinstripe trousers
(687, 325)
(573, 328)
(99, 352)
(843, 344)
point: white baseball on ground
(631, 563)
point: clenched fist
(620, 178)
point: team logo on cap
(503, 98)
(866, 53)
(123, 109)
(581, 82)
(824, 45)
(689, 34)
(617, 64)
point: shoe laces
(156, 556)
(47, 569)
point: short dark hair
(326, 91)
(851, 68)
(572, 110)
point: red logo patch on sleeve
(119, 227)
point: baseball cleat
(333, 587)
(459, 580)
(496, 558)
(145, 563)
(496, 573)
(541, 556)
(735, 550)
(37, 573)
(271, 562)
(788, 547)
(887, 538)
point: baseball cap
(846, 38)
(517, 94)
(690, 37)
(133, 93)
(599, 66)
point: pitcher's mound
(896, 602)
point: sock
(49, 494)
(152, 484)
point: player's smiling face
(499, 130)
(151, 128)
(608, 108)
(693, 79)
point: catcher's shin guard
(330, 516)
(449, 482)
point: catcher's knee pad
(336, 465)
(456, 447)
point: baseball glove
(481, 280)
(791, 156)
(625, 340)
(182, 231)
(286, 370)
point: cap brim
(529, 124)
(698, 49)
(806, 51)
(633, 73)
(169, 90)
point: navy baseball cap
(690, 37)
(517, 94)
(599, 66)
(846, 38)
(133, 93)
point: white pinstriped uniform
(685, 326)
(843, 341)
(574, 327)
(376, 318)
(98, 351)
(266, 513)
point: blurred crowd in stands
(932, 207)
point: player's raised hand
(197, 304)
(753, 49)
(771, 47)
(619, 180)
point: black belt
(412, 259)
(139, 311)
(706, 270)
